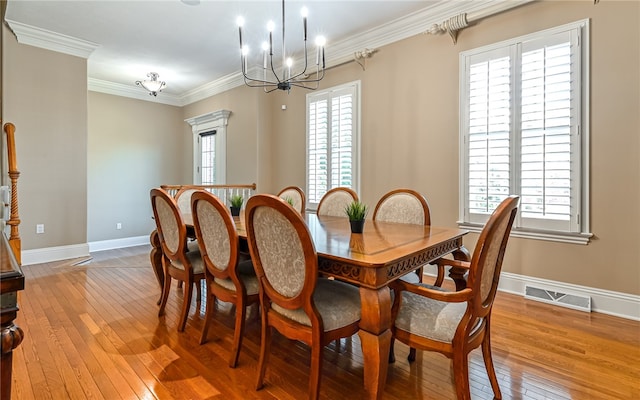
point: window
(209, 147)
(333, 140)
(524, 131)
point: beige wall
(246, 106)
(133, 146)
(45, 96)
(409, 138)
(410, 135)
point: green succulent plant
(356, 211)
(236, 200)
(289, 200)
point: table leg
(375, 337)
(156, 260)
(457, 274)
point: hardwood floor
(92, 331)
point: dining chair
(293, 298)
(227, 278)
(180, 258)
(183, 199)
(455, 323)
(334, 202)
(406, 206)
(295, 196)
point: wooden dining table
(384, 252)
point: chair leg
(316, 368)
(392, 353)
(264, 353)
(461, 375)
(412, 354)
(488, 363)
(208, 314)
(198, 285)
(420, 272)
(186, 304)
(165, 294)
(241, 312)
(440, 277)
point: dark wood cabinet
(11, 281)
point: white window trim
(582, 237)
(356, 135)
(215, 120)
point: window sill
(572, 238)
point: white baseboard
(618, 304)
(49, 254)
(118, 243)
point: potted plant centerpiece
(356, 211)
(236, 204)
(288, 200)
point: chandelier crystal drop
(153, 85)
(285, 77)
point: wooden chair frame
(299, 192)
(169, 256)
(474, 327)
(313, 335)
(426, 221)
(327, 197)
(239, 296)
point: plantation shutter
(488, 136)
(550, 145)
(330, 141)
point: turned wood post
(14, 219)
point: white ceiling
(195, 48)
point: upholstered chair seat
(181, 259)
(455, 323)
(428, 318)
(294, 300)
(194, 258)
(337, 303)
(228, 278)
(247, 275)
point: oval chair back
(179, 260)
(405, 206)
(293, 299)
(227, 278)
(296, 195)
(334, 202)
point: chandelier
(282, 78)
(153, 85)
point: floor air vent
(581, 303)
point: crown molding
(414, 24)
(341, 51)
(134, 92)
(410, 25)
(212, 88)
(45, 39)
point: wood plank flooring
(92, 332)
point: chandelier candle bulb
(304, 13)
(240, 22)
(281, 75)
(265, 47)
